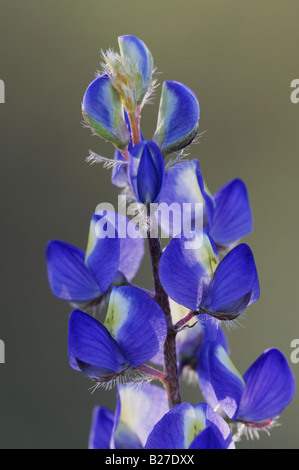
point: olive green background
(239, 57)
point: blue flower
(137, 412)
(103, 112)
(77, 276)
(191, 427)
(134, 330)
(257, 398)
(146, 172)
(227, 215)
(178, 117)
(193, 277)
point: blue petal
(203, 373)
(220, 426)
(92, 349)
(179, 428)
(207, 439)
(234, 285)
(68, 276)
(270, 387)
(185, 272)
(170, 432)
(131, 249)
(232, 216)
(178, 117)
(137, 323)
(103, 251)
(103, 112)
(226, 381)
(137, 412)
(101, 428)
(184, 188)
(212, 331)
(136, 52)
(216, 435)
(146, 171)
(131, 255)
(131, 244)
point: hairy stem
(171, 382)
(135, 128)
(157, 374)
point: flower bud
(146, 172)
(135, 52)
(103, 112)
(178, 117)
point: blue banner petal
(131, 248)
(270, 387)
(186, 267)
(232, 218)
(207, 440)
(181, 426)
(137, 323)
(137, 412)
(68, 276)
(103, 251)
(217, 433)
(169, 432)
(184, 193)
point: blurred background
(239, 58)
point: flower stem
(185, 320)
(171, 382)
(157, 374)
(135, 127)
(125, 154)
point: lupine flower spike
(126, 336)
